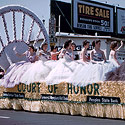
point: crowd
(60, 66)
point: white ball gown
(16, 70)
(63, 69)
(39, 70)
(92, 73)
(117, 74)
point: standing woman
(84, 55)
(97, 55)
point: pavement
(11, 117)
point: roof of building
(69, 35)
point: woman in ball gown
(44, 55)
(64, 67)
(97, 55)
(118, 74)
(114, 49)
(84, 56)
(16, 70)
(54, 53)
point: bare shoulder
(83, 50)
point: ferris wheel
(15, 32)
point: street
(10, 117)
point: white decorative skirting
(84, 109)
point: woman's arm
(91, 58)
(120, 46)
(84, 56)
(36, 58)
(17, 54)
(104, 56)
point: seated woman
(15, 71)
(30, 54)
(84, 55)
(97, 55)
(54, 53)
(73, 45)
(114, 49)
(44, 55)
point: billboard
(120, 20)
(92, 15)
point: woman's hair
(53, 47)
(113, 45)
(43, 44)
(66, 44)
(95, 42)
(72, 43)
(32, 47)
(85, 43)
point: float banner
(120, 20)
(92, 16)
(107, 92)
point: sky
(41, 8)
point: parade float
(103, 99)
